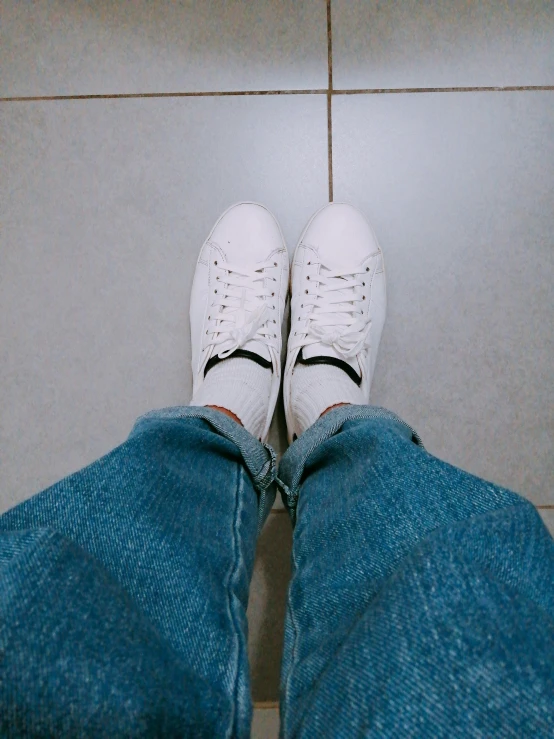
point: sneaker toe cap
(247, 233)
(341, 235)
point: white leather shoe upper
(239, 292)
(338, 302)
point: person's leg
(123, 611)
(422, 598)
(124, 587)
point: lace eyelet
(274, 321)
(363, 284)
(215, 262)
(275, 264)
(367, 269)
(272, 295)
(215, 291)
(306, 292)
(274, 336)
(363, 297)
(309, 264)
(308, 277)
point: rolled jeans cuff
(293, 463)
(259, 458)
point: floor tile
(547, 515)
(105, 205)
(266, 609)
(265, 724)
(442, 44)
(75, 47)
(459, 187)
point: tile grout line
(329, 91)
(134, 95)
(330, 101)
(412, 90)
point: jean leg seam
(230, 610)
(294, 646)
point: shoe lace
(332, 308)
(240, 310)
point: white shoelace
(336, 298)
(240, 311)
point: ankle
(317, 389)
(226, 412)
(240, 388)
(332, 407)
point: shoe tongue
(258, 348)
(324, 350)
(252, 345)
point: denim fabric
(291, 469)
(422, 598)
(421, 602)
(124, 587)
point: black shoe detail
(344, 366)
(242, 353)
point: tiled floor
(118, 151)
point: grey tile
(442, 44)
(459, 188)
(266, 608)
(104, 207)
(77, 47)
(265, 724)
(547, 515)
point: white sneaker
(338, 309)
(236, 310)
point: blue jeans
(421, 601)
